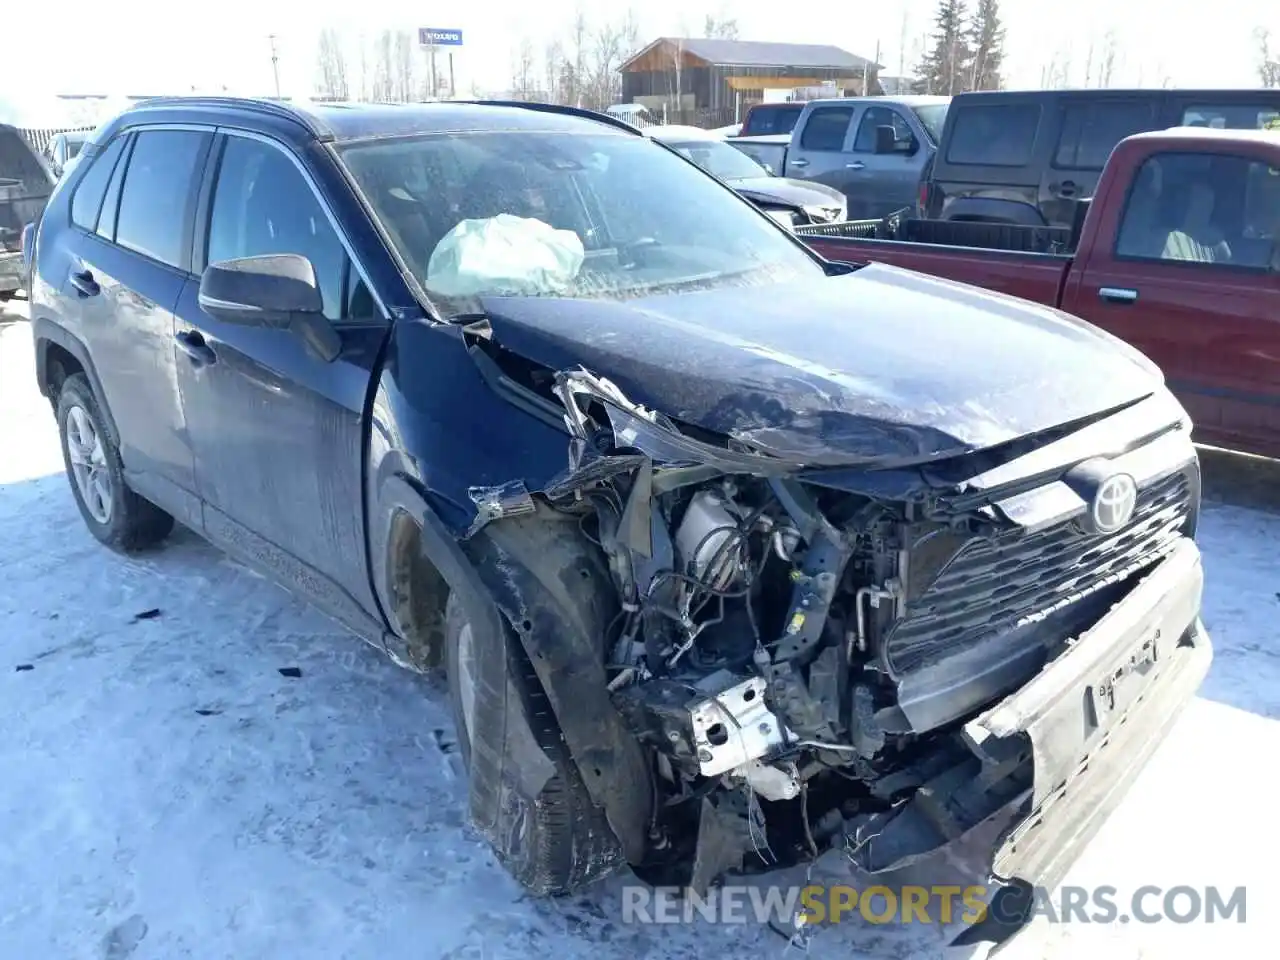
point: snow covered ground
(167, 791)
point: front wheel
(527, 795)
(114, 514)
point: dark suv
(1028, 156)
(715, 536)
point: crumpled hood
(799, 193)
(880, 365)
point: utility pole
(866, 71)
(902, 46)
(275, 62)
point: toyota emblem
(1113, 503)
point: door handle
(798, 163)
(84, 284)
(1118, 294)
(856, 165)
(191, 342)
(1067, 189)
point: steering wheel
(634, 247)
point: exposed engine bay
(799, 659)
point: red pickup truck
(1178, 253)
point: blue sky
(138, 46)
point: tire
(527, 795)
(114, 514)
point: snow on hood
(875, 366)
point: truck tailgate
(1033, 276)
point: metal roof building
(697, 74)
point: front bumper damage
(1086, 726)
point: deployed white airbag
(504, 255)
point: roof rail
(273, 108)
(582, 112)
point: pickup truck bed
(1178, 254)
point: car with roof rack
(712, 535)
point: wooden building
(691, 74)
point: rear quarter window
(86, 202)
(1232, 117)
(994, 135)
(769, 120)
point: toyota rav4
(716, 539)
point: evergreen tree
(985, 37)
(943, 70)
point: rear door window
(157, 190)
(994, 135)
(1090, 131)
(86, 202)
(826, 128)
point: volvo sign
(439, 37)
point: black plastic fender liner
(397, 495)
(45, 332)
(558, 596)
(538, 570)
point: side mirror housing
(277, 291)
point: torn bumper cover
(1096, 716)
(1087, 725)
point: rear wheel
(113, 513)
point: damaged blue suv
(711, 535)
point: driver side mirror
(887, 142)
(276, 291)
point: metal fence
(39, 137)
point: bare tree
(331, 67)
(1107, 62)
(720, 28)
(553, 64)
(404, 47)
(366, 79)
(524, 83)
(611, 44)
(1056, 74)
(677, 76)
(393, 66)
(1268, 60)
(579, 38)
